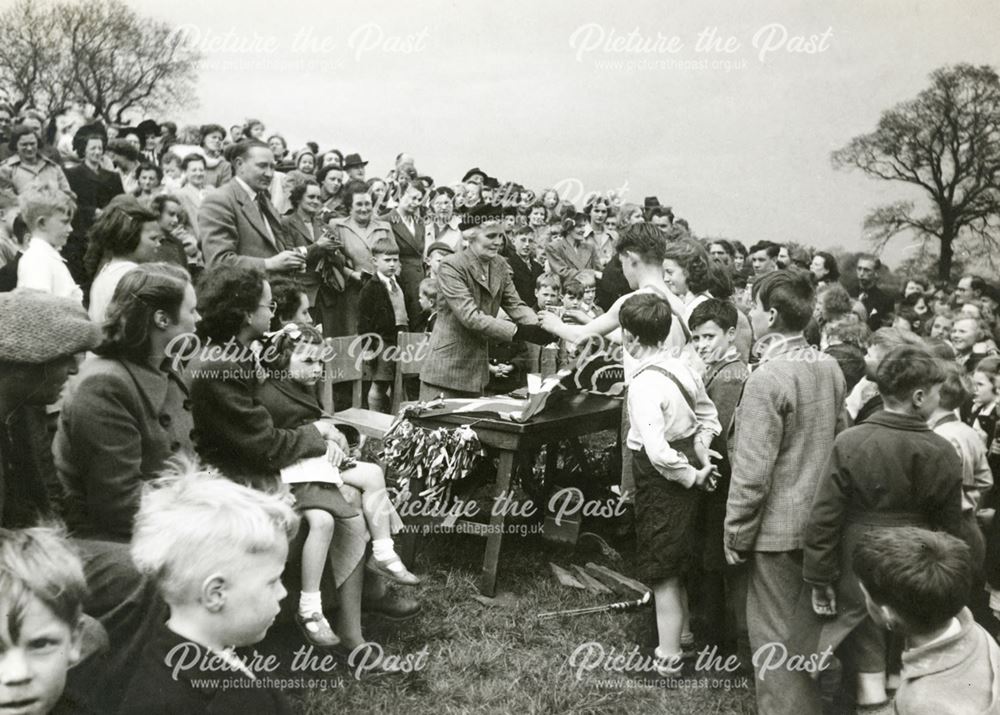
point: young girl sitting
(292, 359)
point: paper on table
(314, 469)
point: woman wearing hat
(94, 187)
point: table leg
(488, 578)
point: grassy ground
(500, 658)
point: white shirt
(102, 290)
(42, 268)
(659, 414)
(253, 198)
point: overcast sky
(595, 94)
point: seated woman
(125, 235)
(235, 433)
(127, 412)
(292, 360)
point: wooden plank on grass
(565, 577)
(589, 581)
(631, 585)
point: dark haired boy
(917, 583)
(671, 424)
(891, 471)
(784, 428)
(723, 593)
(525, 270)
(382, 313)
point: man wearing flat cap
(40, 337)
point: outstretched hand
(824, 600)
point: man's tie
(269, 220)
(393, 286)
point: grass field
(500, 658)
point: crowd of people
(807, 465)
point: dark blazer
(93, 191)
(879, 305)
(154, 691)
(120, 423)
(232, 229)
(612, 284)
(411, 259)
(470, 295)
(893, 466)
(234, 431)
(375, 313)
(524, 273)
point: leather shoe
(316, 630)
(400, 575)
(394, 607)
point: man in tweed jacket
(784, 430)
(473, 285)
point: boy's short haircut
(643, 239)
(587, 278)
(648, 317)
(989, 366)
(773, 249)
(385, 247)
(192, 523)
(891, 338)
(428, 287)
(39, 563)
(191, 159)
(789, 291)
(524, 231)
(573, 288)
(925, 576)
(548, 279)
(955, 390)
(941, 349)
(848, 330)
(906, 369)
(44, 201)
(720, 312)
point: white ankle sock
(310, 603)
(383, 550)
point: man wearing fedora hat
(355, 167)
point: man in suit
(473, 286)
(878, 304)
(408, 232)
(238, 224)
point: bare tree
(945, 142)
(98, 52)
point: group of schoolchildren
(892, 553)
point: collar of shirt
(661, 358)
(246, 187)
(731, 354)
(780, 345)
(45, 247)
(388, 281)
